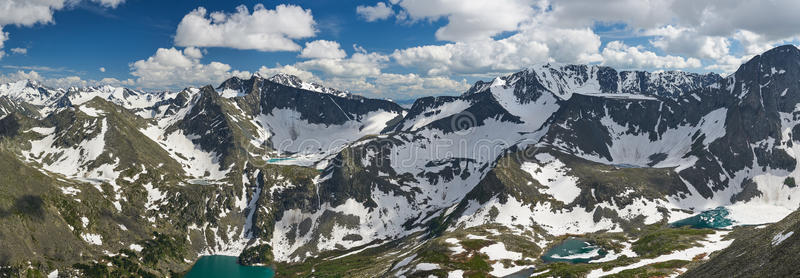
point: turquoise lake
(274, 160)
(574, 250)
(714, 219)
(226, 266)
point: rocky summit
(555, 170)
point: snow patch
(777, 239)
(94, 239)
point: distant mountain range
(315, 181)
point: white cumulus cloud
(361, 63)
(263, 29)
(470, 19)
(509, 54)
(617, 54)
(29, 12)
(374, 13)
(414, 85)
(323, 49)
(173, 68)
(686, 41)
(3, 39)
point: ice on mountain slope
(196, 162)
(93, 239)
(436, 113)
(70, 161)
(498, 252)
(372, 225)
(632, 145)
(154, 196)
(533, 114)
(779, 238)
(774, 200)
(294, 135)
(565, 81)
(231, 93)
(410, 156)
(637, 149)
(231, 240)
(551, 214)
(520, 218)
(89, 111)
(553, 176)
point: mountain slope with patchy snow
(315, 176)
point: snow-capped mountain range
(308, 174)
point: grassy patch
(661, 269)
(324, 266)
(656, 241)
(259, 254)
(475, 244)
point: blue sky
(89, 36)
(395, 49)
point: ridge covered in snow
(564, 80)
(296, 82)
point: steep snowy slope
(304, 124)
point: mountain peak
(782, 51)
(286, 79)
(781, 59)
(777, 57)
(295, 82)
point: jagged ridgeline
(315, 181)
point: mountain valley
(319, 182)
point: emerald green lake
(574, 250)
(226, 266)
(714, 219)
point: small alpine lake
(226, 266)
(574, 250)
(279, 159)
(713, 219)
